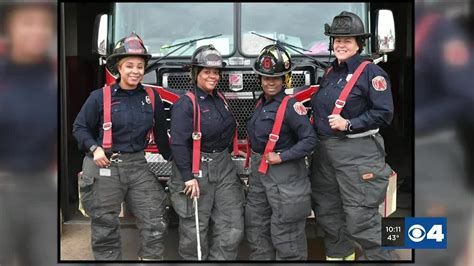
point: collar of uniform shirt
(279, 97)
(204, 95)
(115, 88)
(350, 64)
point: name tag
(104, 172)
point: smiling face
(271, 85)
(345, 48)
(131, 69)
(207, 79)
(30, 30)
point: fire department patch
(299, 108)
(379, 83)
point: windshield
(165, 24)
(299, 24)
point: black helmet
(346, 24)
(207, 56)
(273, 61)
(131, 45)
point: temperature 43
(393, 237)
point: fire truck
(172, 31)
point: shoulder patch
(299, 108)
(379, 83)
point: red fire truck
(172, 31)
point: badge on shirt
(104, 172)
(147, 99)
(299, 108)
(349, 76)
(379, 83)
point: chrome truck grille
(240, 100)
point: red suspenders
(275, 135)
(107, 126)
(151, 95)
(272, 137)
(341, 101)
(197, 134)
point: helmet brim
(114, 58)
(223, 65)
(365, 35)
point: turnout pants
(276, 210)
(220, 206)
(131, 181)
(349, 181)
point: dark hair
(360, 42)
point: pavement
(75, 238)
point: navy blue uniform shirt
(28, 116)
(132, 117)
(367, 107)
(217, 127)
(297, 137)
(443, 70)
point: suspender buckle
(107, 126)
(273, 137)
(196, 135)
(339, 103)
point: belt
(363, 134)
(210, 156)
(261, 153)
(214, 151)
(113, 156)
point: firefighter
(278, 200)
(28, 134)
(349, 175)
(111, 176)
(206, 172)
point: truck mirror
(99, 36)
(384, 32)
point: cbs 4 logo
(417, 233)
(426, 232)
